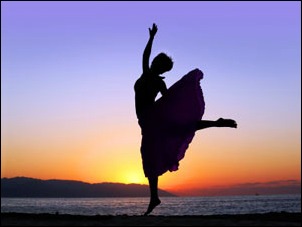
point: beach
(267, 219)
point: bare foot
(152, 205)
(226, 123)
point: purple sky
(71, 66)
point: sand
(269, 219)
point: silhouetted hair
(162, 63)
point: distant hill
(29, 187)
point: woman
(168, 125)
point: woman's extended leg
(218, 123)
(154, 200)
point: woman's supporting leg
(154, 200)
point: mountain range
(30, 187)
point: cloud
(271, 184)
(251, 188)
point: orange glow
(134, 177)
(113, 156)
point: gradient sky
(67, 97)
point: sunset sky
(67, 97)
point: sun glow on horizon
(134, 177)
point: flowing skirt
(169, 125)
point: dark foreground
(268, 219)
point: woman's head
(161, 63)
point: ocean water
(169, 205)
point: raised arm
(147, 51)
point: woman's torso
(146, 89)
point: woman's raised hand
(153, 30)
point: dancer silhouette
(168, 124)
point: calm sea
(169, 206)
